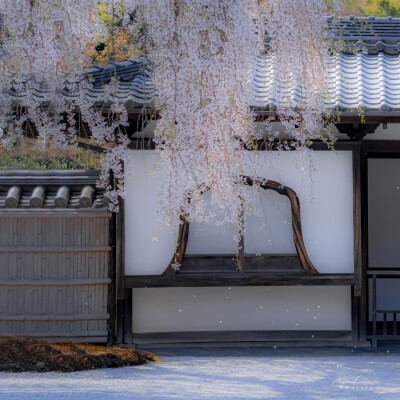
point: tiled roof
(369, 80)
(372, 34)
(49, 190)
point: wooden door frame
(383, 149)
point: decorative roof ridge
(369, 34)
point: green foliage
(108, 16)
(383, 8)
(118, 44)
(379, 8)
(32, 157)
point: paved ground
(256, 373)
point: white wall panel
(241, 308)
(326, 207)
(326, 201)
(327, 218)
(149, 246)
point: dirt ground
(37, 355)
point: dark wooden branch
(180, 250)
(296, 220)
(305, 261)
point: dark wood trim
(111, 301)
(120, 251)
(355, 317)
(148, 144)
(120, 321)
(222, 263)
(357, 221)
(372, 149)
(385, 149)
(342, 145)
(210, 338)
(356, 131)
(370, 119)
(238, 279)
(67, 177)
(381, 148)
(374, 340)
(127, 317)
(262, 115)
(385, 273)
(363, 300)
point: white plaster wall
(239, 308)
(327, 218)
(326, 209)
(149, 246)
(392, 132)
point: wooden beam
(225, 263)
(370, 119)
(207, 337)
(262, 115)
(53, 178)
(238, 279)
(382, 148)
(148, 144)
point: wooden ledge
(230, 338)
(237, 279)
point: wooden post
(363, 300)
(86, 199)
(120, 251)
(62, 197)
(357, 289)
(128, 317)
(37, 197)
(357, 220)
(13, 197)
(111, 304)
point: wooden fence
(56, 260)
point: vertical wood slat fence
(55, 263)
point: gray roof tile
(370, 81)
